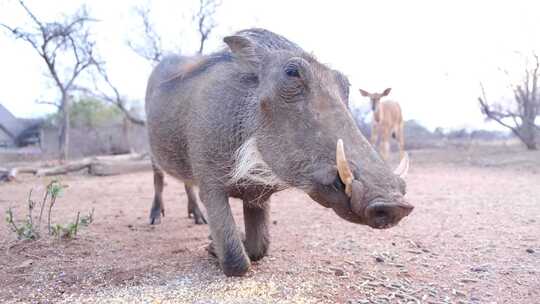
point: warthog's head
(304, 130)
(375, 98)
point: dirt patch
(473, 237)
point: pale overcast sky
(432, 53)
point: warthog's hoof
(257, 253)
(200, 220)
(155, 216)
(235, 265)
(211, 250)
(155, 220)
(198, 216)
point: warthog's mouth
(376, 214)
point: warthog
(259, 117)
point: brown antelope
(387, 121)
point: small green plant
(54, 189)
(29, 229)
(25, 231)
(86, 220)
(67, 231)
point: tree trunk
(64, 128)
(528, 131)
(201, 46)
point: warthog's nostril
(384, 215)
(379, 213)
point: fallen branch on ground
(98, 165)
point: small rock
(530, 250)
(483, 268)
(274, 222)
(458, 293)
(338, 272)
(379, 259)
(26, 263)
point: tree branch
(116, 99)
(153, 53)
(205, 20)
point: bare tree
(69, 38)
(520, 117)
(204, 18)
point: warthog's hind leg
(158, 209)
(193, 206)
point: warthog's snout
(383, 215)
(379, 214)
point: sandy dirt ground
(474, 237)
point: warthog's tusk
(403, 166)
(344, 171)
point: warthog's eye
(292, 70)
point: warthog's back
(175, 89)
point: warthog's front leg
(227, 241)
(256, 218)
(193, 207)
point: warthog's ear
(386, 92)
(364, 93)
(245, 50)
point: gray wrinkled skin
(253, 119)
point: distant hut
(19, 132)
